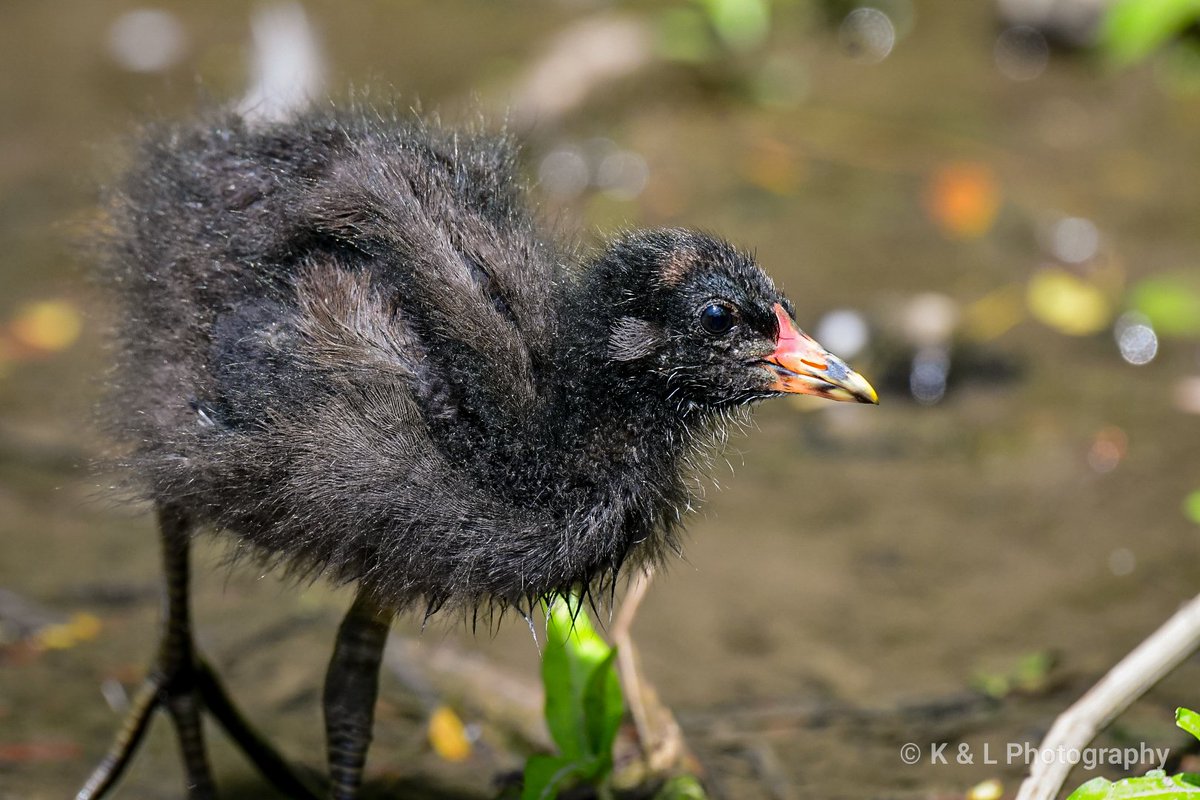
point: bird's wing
(441, 219)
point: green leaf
(684, 35)
(1095, 789)
(603, 706)
(563, 677)
(546, 775)
(1191, 508)
(1188, 720)
(741, 24)
(573, 652)
(681, 787)
(567, 624)
(1171, 302)
(1133, 29)
(1154, 785)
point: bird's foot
(173, 688)
(184, 690)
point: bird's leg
(270, 764)
(177, 656)
(182, 683)
(171, 683)
(351, 686)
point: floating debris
(1108, 449)
(772, 165)
(1138, 342)
(1187, 394)
(1074, 240)
(930, 318)
(843, 332)
(1021, 53)
(21, 618)
(994, 314)
(564, 173)
(569, 170)
(1075, 23)
(927, 345)
(622, 174)
(867, 35)
(1068, 303)
(930, 374)
(1122, 562)
(114, 694)
(781, 82)
(963, 199)
(28, 629)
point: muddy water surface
(861, 567)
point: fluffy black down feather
(343, 341)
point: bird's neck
(610, 414)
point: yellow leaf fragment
(963, 199)
(1068, 303)
(994, 314)
(47, 325)
(991, 789)
(80, 628)
(448, 735)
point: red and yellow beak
(804, 367)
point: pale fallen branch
(1075, 728)
(659, 737)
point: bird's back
(333, 334)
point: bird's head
(692, 319)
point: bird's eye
(717, 318)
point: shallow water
(860, 568)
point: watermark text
(1026, 754)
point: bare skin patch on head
(632, 338)
(678, 264)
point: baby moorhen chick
(344, 341)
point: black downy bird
(343, 340)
